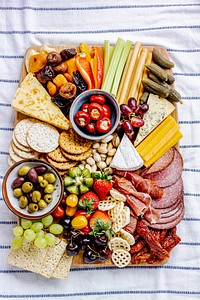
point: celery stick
(111, 52)
(120, 67)
(107, 84)
(106, 57)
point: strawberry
(100, 223)
(102, 184)
(89, 201)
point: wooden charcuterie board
(78, 260)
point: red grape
(142, 109)
(127, 126)
(132, 103)
(125, 109)
(131, 135)
(137, 122)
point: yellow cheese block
(172, 142)
(159, 133)
(32, 99)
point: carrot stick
(145, 74)
(126, 77)
(133, 90)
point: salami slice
(170, 196)
(161, 163)
(170, 174)
(168, 210)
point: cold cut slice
(170, 196)
(161, 163)
(169, 175)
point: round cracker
(42, 137)
(62, 166)
(24, 154)
(19, 146)
(11, 162)
(77, 157)
(57, 155)
(20, 130)
(73, 143)
(13, 155)
(121, 258)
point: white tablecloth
(174, 25)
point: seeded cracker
(62, 166)
(57, 155)
(62, 269)
(42, 137)
(77, 157)
(72, 143)
(21, 130)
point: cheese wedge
(159, 109)
(126, 158)
(32, 99)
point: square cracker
(62, 269)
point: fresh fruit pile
(42, 233)
(94, 115)
(34, 187)
(131, 117)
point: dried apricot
(59, 80)
(51, 87)
(37, 62)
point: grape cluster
(42, 233)
(131, 117)
(93, 248)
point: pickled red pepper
(96, 63)
(84, 67)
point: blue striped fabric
(175, 25)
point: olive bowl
(12, 202)
(84, 98)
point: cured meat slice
(170, 196)
(131, 225)
(136, 205)
(172, 211)
(172, 217)
(169, 224)
(170, 174)
(161, 163)
(172, 207)
(152, 215)
(155, 247)
(171, 240)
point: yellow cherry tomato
(79, 222)
(70, 211)
(72, 200)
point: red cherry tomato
(82, 118)
(107, 111)
(104, 125)
(86, 229)
(97, 99)
(59, 212)
(95, 111)
(84, 213)
(84, 107)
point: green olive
(42, 204)
(50, 177)
(32, 207)
(43, 183)
(27, 187)
(40, 178)
(23, 201)
(23, 170)
(49, 188)
(18, 192)
(48, 198)
(36, 196)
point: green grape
(56, 229)
(17, 242)
(18, 231)
(29, 235)
(51, 239)
(47, 221)
(37, 226)
(26, 224)
(40, 242)
(40, 233)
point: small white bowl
(84, 98)
(12, 202)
